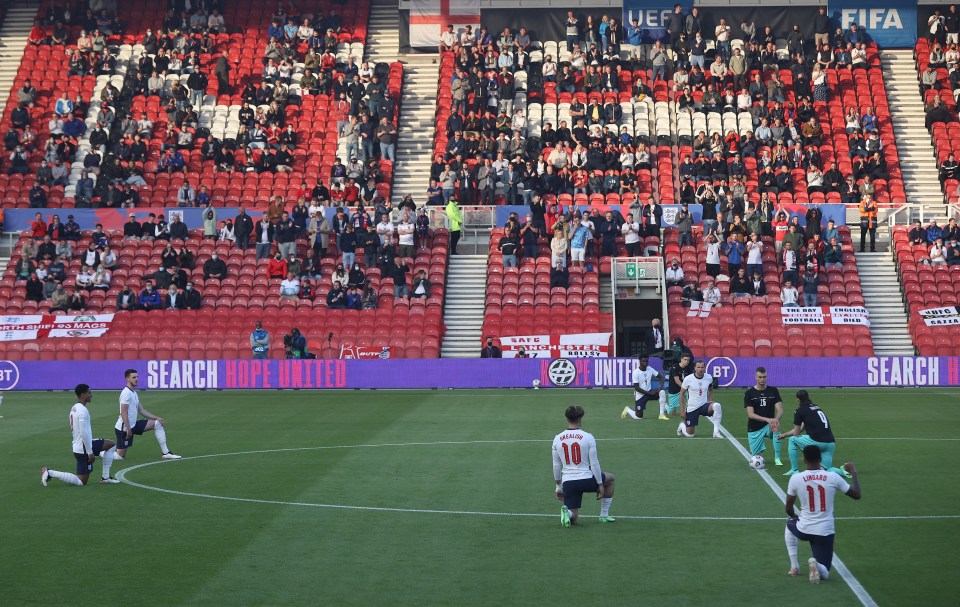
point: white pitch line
(864, 597)
(123, 473)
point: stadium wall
(878, 371)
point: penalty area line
(861, 593)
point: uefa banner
(938, 317)
(424, 374)
(825, 315)
(653, 17)
(39, 326)
(889, 23)
(579, 345)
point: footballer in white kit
(643, 389)
(815, 489)
(576, 470)
(128, 423)
(85, 447)
(696, 401)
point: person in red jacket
(277, 267)
(38, 227)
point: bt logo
(723, 369)
(9, 375)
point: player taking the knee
(576, 470)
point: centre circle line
(122, 477)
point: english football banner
(579, 345)
(936, 317)
(364, 352)
(430, 18)
(700, 309)
(42, 326)
(825, 315)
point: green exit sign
(633, 271)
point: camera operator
(295, 345)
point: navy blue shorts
(641, 403)
(573, 490)
(821, 545)
(693, 417)
(122, 441)
(83, 466)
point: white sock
(663, 402)
(68, 478)
(824, 572)
(605, 505)
(107, 459)
(632, 413)
(791, 541)
(161, 437)
(716, 417)
(683, 431)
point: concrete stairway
(418, 107)
(917, 159)
(884, 301)
(383, 37)
(466, 291)
(606, 294)
(13, 40)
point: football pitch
(446, 498)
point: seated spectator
(150, 298)
(215, 268)
(674, 274)
(34, 288)
(757, 287)
(953, 253)
(690, 293)
(740, 284)
(369, 297)
(126, 299)
(290, 287)
(59, 299)
(101, 279)
(25, 267)
(711, 294)
(191, 297)
(337, 297)
(937, 254)
(559, 276)
(833, 255)
(173, 300)
(78, 303)
(178, 229)
(84, 279)
(354, 298)
(421, 286)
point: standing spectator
(405, 237)
(399, 275)
(810, 283)
(263, 237)
(490, 350)
(578, 236)
(285, 233)
(674, 274)
(456, 222)
(508, 248)
(243, 226)
(713, 256)
(210, 222)
(631, 236)
(788, 263)
(868, 223)
(754, 255)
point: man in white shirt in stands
(447, 39)
(815, 489)
(290, 287)
(85, 447)
(789, 295)
(696, 401)
(631, 236)
(405, 238)
(674, 274)
(711, 294)
(385, 230)
(128, 424)
(576, 470)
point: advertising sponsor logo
(562, 372)
(9, 375)
(723, 369)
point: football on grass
(756, 462)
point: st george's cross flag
(430, 18)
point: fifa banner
(889, 23)
(364, 353)
(652, 17)
(589, 345)
(936, 317)
(30, 327)
(425, 374)
(430, 18)
(826, 315)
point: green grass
(66, 545)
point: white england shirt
(698, 390)
(129, 406)
(80, 426)
(575, 456)
(644, 379)
(815, 490)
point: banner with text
(936, 317)
(593, 345)
(653, 17)
(423, 374)
(37, 326)
(889, 23)
(825, 315)
(348, 352)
